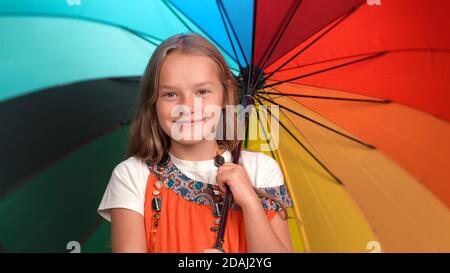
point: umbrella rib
(265, 134)
(299, 85)
(313, 42)
(318, 123)
(255, 9)
(276, 42)
(246, 131)
(304, 147)
(176, 15)
(140, 35)
(325, 61)
(379, 54)
(365, 54)
(205, 33)
(221, 8)
(233, 30)
(326, 97)
(311, 109)
(244, 103)
(229, 37)
(90, 232)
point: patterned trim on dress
(280, 193)
(203, 193)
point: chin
(188, 142)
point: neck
(204, 150)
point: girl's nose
(192, 102)
(188, 101)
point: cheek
(214, 99)
(163, 110)
(212, 105)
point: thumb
(221, 179)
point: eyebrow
(196, 85)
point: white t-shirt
(126, 188)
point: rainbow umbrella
(360, 85)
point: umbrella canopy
(389, 63)
(363, 112)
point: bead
(214, 229)
(158, 185)
(156, 204)
(156, 192)
(159, 176)
(219, 160)
(217, 192)
(156, 216)
(217, 221)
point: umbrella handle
(223, 221)
(226, 205)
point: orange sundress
(186, 215)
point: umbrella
(361, 90)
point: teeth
(187, 121)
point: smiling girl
(166, 197)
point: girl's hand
(236, 177)
(212, 250)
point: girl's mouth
(190, 121)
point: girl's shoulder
(259, 158)
(126, 187)
(263, 170)
(132, 170)
(133, 164)
(253, 155)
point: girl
(166, 197)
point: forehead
(188, 70)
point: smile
(190, 122)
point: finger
(221, 186)
(232, 164)
(229, 164)
(224, 168)
(223, 178)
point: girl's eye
(170, 94)
(203, 92)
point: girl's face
(189, 96)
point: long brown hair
(147, 139)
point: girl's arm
(262, 235)
(127, 231)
